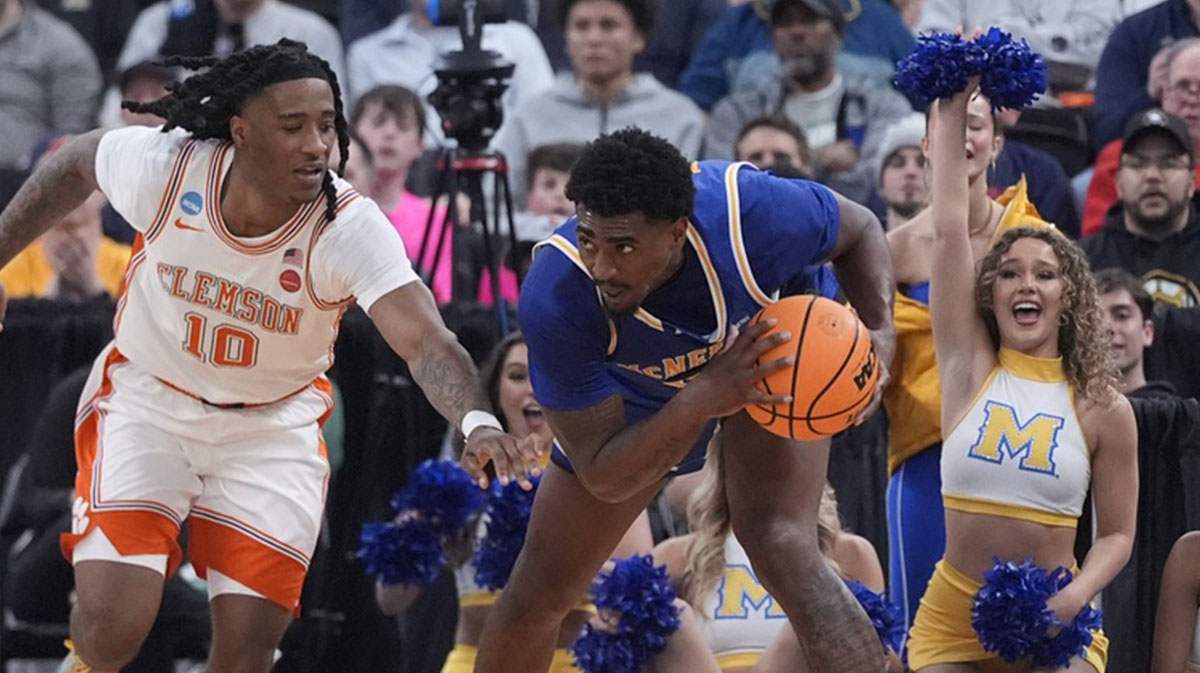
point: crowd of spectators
(798, 87)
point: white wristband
(475, 419)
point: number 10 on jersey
(223, 346)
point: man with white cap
(901, 170)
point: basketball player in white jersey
(208, 404)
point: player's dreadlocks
(204, 103)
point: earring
(1063, 319)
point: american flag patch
(293, 257)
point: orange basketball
(835, 371)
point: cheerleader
(738, 619)
(1030, 415)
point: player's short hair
(1111, 280)
(397, 100)
(630, 171)
(204, 103)
(554, 156)
(644, 13)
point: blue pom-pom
(507, 515)
(936, 68)
(884, 615)
(597, 651)
(1071, 642)
(436, 504)
(402, 553)
(641, 594)
(1009, 614)
(1014, 75)
(1011, 618)
(444, 495)
(1011, 74)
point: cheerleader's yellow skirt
(462, 660)
(942, 633)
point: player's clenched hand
(511, 458)
(727, 383)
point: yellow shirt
(30, 273)
(915, 393)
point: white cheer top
(740, 617)
(1019, 452)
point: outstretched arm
(59, 185)
(962, 345)
(409, 321)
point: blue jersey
(752, 237)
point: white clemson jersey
(226, 319)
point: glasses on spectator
(1172, 164)
(1189, 88)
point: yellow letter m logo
(740, 593)
(1002, 432)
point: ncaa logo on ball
(290, 280)
(192, 203)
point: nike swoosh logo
(180, 225)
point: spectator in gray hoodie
(843, 116)
(601, 93)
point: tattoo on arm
(449, 380)
(835, 634)
(63, 181)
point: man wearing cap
(738, 53)
(843, 116)
(901, 171)
(1155, 235)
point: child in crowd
(546, 202)
(390, 122)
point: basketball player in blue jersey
(640, 293)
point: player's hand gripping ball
(835, 372)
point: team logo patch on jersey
(290, 280)
(1171, 289)
(192, 203)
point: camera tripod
(460, 169)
